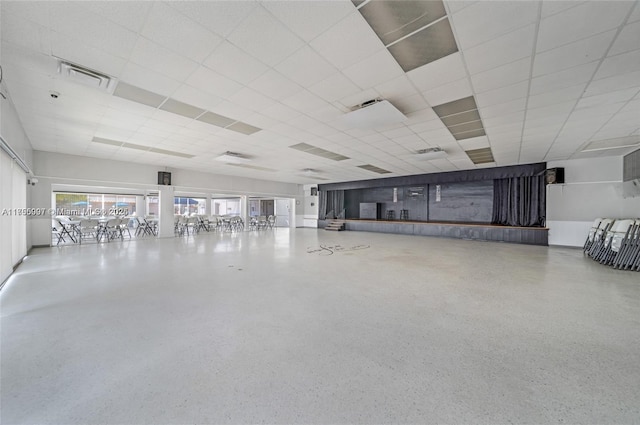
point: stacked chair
(615, 243)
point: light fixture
(233, 158)
(374, 113)
(431, 153)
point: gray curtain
(519, 201)
(322, 204)
(330, 202)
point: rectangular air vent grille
(374, 169)
(461, 118)
(480, 156)
(304, 147)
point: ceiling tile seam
(466, 69)
(595, 72)
(446, 16)
(531, 65)
(589, 36)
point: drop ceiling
(274, 79)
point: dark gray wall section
(482, 174)
(467, 202)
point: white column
(166, 212)
(207, 208)
(244, 209)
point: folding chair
(618, 233)
(591, 236)
(599, 237)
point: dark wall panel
(466, 202)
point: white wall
(15, 239)
(593, 188)
(70, 172)
(310, 207)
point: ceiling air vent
(86, 76)
(373, 114)
(431, 153)
(233, 158)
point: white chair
(618, 232)
(592, 233)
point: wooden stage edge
(471, 231)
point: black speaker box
(164, 178)
(554, 176)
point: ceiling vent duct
(86, 76)
(373, 114)
(233, 158)
(431, 153)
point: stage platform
(472, 231)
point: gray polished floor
(270, 327)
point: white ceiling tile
(578, 53)
(507, 119)
(207, 80)
(449, 92)
(556, 96)
(400, 86)
(501, 50)
(305, 67)
(359, 98)
(232, 110)
(613, 83)
(334, 87)
(218, 16)
(348, 42)
(551, 7)
(486, 20)
(376, 69)
(442, 71)
(635, 15)
(607, 98)
(34, 11)
(550, 111)
(178, 33)
(304, 101)
(627, 39)
(265, 38)
(421, 116)
(198, 98)
(434, 124)
(274, 85)
(281, 112)
(24, 33)
(501, 76)
(563, 79)
(67, 18)
(503, 108)
(502, 94)
(73, 50)
(235, 64)
(147, 79)
(153, 56)
(580, 22)
(619, 64)
(475, 143)
(309, 19)
(408, 105)
(129, 14)
(251, 99)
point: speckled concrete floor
(271, 328)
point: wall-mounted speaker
(164, 178)
(554, 176)
(314, 191)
